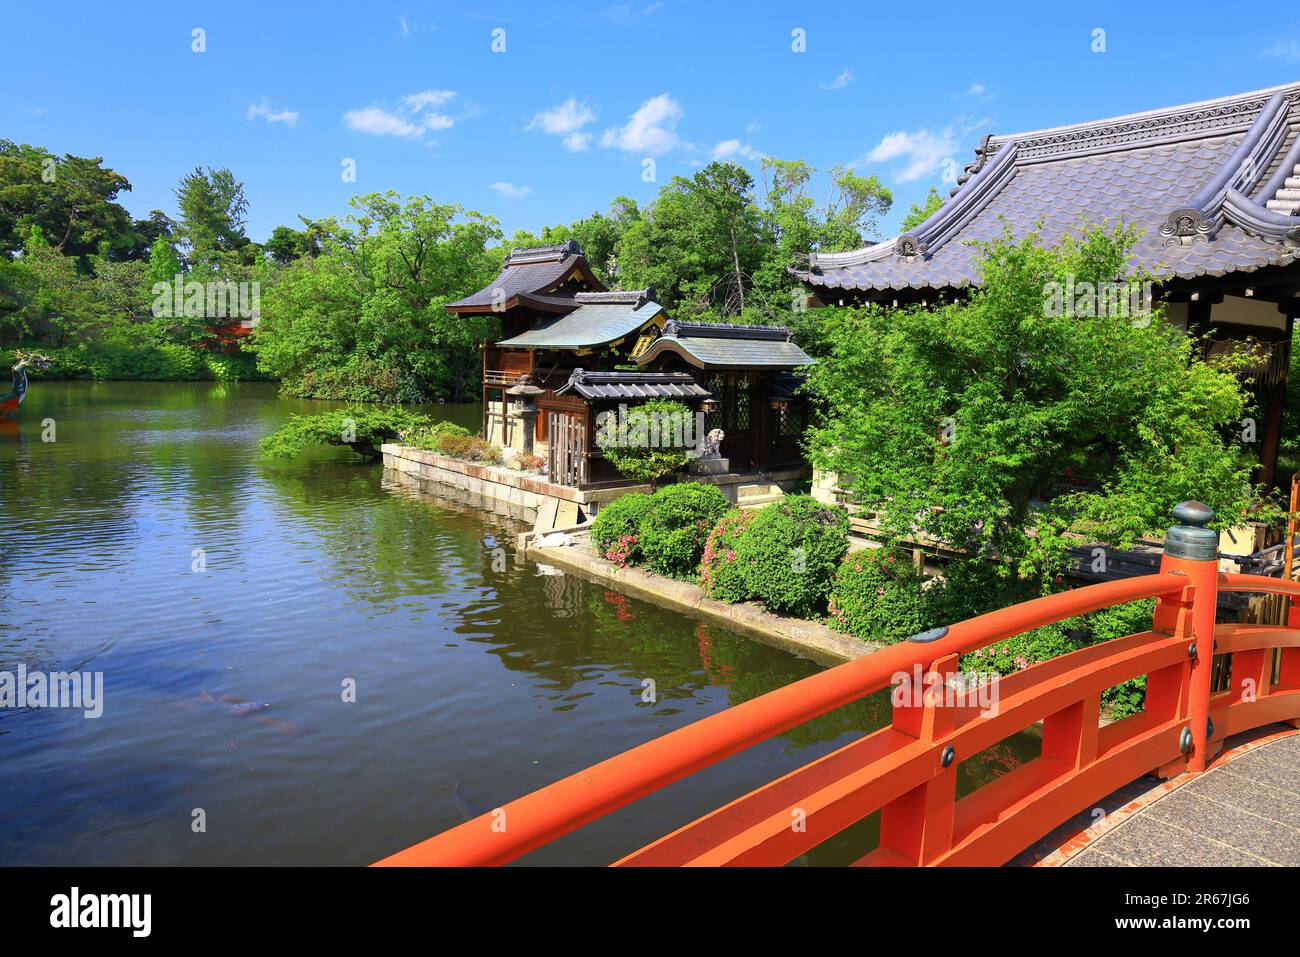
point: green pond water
(476, 680)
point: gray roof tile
(1137, 169)
(726, 346)
(633, 385)
(527, 272)
(588, 325)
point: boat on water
(10, 400)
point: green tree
(212, 209)
(72, 199)
(365, 318)
(1002, 428)
(917, 214)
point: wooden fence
(567, 437)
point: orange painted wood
(898, 770)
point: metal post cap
(1190, 539)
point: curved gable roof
(1206, 182)
(527, 277)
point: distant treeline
(351, 307)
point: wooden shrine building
(1214, 186)
(571, 349)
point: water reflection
(477, 679)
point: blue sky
(560, 122)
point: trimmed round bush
(673, 533)
(616, 529)
(790, 551)
(652, 443)
(721, 573)
(877, 596)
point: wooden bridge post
(1192, 550)
(918, 826)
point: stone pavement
(1242, 812)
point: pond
(229, 601)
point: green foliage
(917, 214)
(71, 199)
(957, 420)
(789, 553)
(120, 360)
(877, 595)
(454, 441)
(364, 319)
(721, 573)
(213, 210)
(363, 429)
(673, 533)
(616, 528)
(470, 448)
(430, 439)
(652, 444)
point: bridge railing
(908, 770)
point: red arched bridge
(908, 770)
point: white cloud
(977, 89)
(651, 129)
(841, 81)
(426, 98)
(510, 190)
(753, 126)
(1288, 51)
(412, 119)
(731, 148)
(263, 111)
(626, 13)
(923, 152)
(566, 120)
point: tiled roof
(1207, 183)
(529, 272)
(591, 325)
(724, 346)
(633, 385)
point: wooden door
(734, 392)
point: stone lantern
(525, 393)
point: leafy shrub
(673, 533)
(790, 551)
(429, 439)
(643, 453)
(877, 595)
(361, 429)
(616, 528)
(356, 380)
(1063, 637)
(721, 573)
(468, 447)
(140, 361)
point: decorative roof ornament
(543, 254)
(618, 297)
(982, 153)
(1184, 226)
(909, 247)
